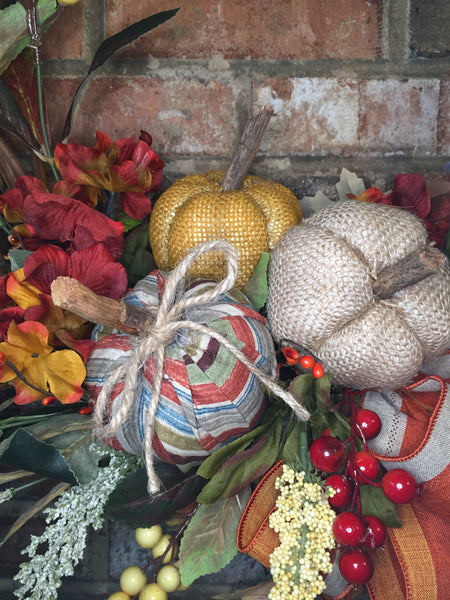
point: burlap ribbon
(168, 321)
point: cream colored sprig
(303, 520)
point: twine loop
(153, 343)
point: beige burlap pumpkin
(321, 297)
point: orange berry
(48, 400)
(318, 371)
(307, 361)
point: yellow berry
(168, 578)
(119, 596)
(152, 591)
(161, 546)
(132, 580)
(148, 537)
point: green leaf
(17, 257)
(128, 222)
(374, 502)
(214, 461)
(243, 468)
(131, 504)
(339, 426)
(24, 451)
(136, 258)
(14, 35)
(71, 434)
(302, 387)
(107, 48)
(209, 542)
(256, 289)
(291, 450)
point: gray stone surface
(430, 23)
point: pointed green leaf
(243, 468)
(209, 542)
(302, 387)
(131, 504)
(24, 451)
(214, 461)
(256, 289)
(374, 502)
(107, 48)
(17, 257)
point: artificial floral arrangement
(213, 369)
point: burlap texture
(320, 295)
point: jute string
(153, 343)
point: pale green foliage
(68, 523)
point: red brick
(399, 116)
(313, 116)
(444, 121)
(293, 29)
(183, 116)
(64, 38)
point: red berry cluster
(293, 357)
(358, 535)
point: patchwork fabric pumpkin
(195, 209)
(321, 295)
(207, 395)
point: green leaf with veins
(209, 542)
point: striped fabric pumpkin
(207, 396)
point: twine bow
(153, 343)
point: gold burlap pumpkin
(195, 209)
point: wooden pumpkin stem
(248, 147)
(411, 269)
(71, 295)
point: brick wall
(355, 83)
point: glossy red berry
(343, 490)
(327, 454)
(399, 486)
(356, 566)
(348, 529)
(375, 533)
(369, 422)
(318, 371)
(307, 361)
(48, 400)
(291, 355)
(367, 464)
(85, 410)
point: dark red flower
(127, 167)
(93, 266)
(410, 192)
(53, 217)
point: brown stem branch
(71, 295)
(248, 147)
(411, 269)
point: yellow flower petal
(31, 336)
(23, 294)
(65, 374)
